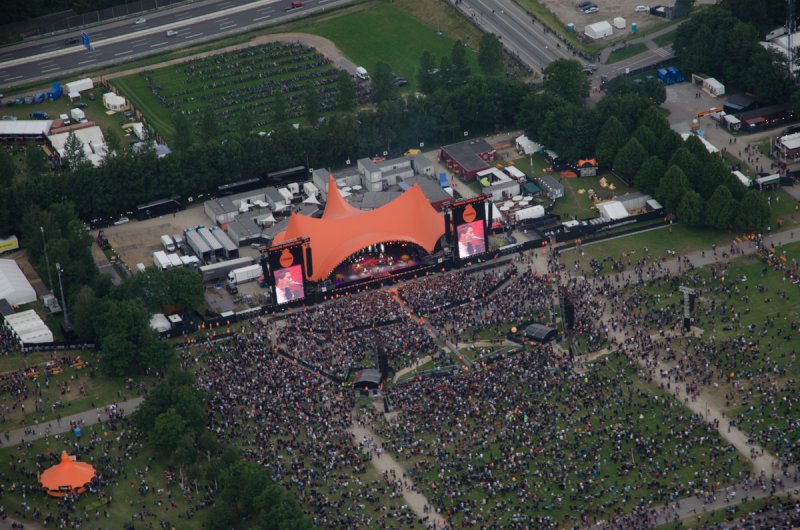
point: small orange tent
(67, 477)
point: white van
(171, 33)
(361, 73)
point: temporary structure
(620, 23)
(14, 286)
(599, 30)
(111, 101)
(67, 477)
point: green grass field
(665, 39)
(626, 53)
(124, 465)
(389, 34)
(579, 205)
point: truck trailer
(245, 274)
(161, 261)
(220, 270)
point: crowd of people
(440, 291)
(296, 423)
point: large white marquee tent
(14, 286)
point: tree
(649, 175)
(8, 169)
(647, 139)
(112, 141)
(461, 72)
(167, 431)
(184, 135)
(720, 209)
(383, 87)
(184, 290)
(209, 126)
(312, 105)
(426, 78)
(690, 209)
(490, 55)
(753, 212)
(654, 119)
(279, 109)
(669, 143)
(629, 159)
(74, 155)
(565, 77)
(345, 92)
(35, 159)
(672, 188)
(611, 139)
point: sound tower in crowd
(567, 308)
(469, 230)
(689, 296)
(287, 271)
(382, 359)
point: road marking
(193, 36)
(262, 18)
(229, 26)
(265, 9)
(12, 78)
(51, 69)
(158, 44)
(323, 1)
(141, 44)
(126, 52)
(181, 16)
(87, 62)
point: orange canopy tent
(344, 229)
(66, 477)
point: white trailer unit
(220, 270)
(190, 262)
(161, 261)
(211, 241)
(174, 260)
(78, 115)
(534, 212)
(168, 243)
(245, 274)
(80, 85)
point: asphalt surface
(125, 39)
(527, 40)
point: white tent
(111, 101)
(620, 23)
(14, 286)
(526, 146)
(160, 323)
(711, 148)
(29, 328)
(310, 200)
(612, 210)
(746, 182)
(599, 30)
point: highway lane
(124, 39)
(518, 33)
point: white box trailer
(533, 212)
(245, 274)
(161, 261)
(80, 85)
(78, 115)
(174, 260)
(220, 270)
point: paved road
(529, 41)
(122, 40)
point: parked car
(400, 81)
(140, 20)
(642, 9)
(584, 5)
(121, 221)
(79, 105)
(591, 10)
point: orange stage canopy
(344, 229)
(67, 476)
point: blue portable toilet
(677, 75)
(570, 28)
(55, 92)
(443, 182)
(39, 97)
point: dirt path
(321, 44)
(367, 440)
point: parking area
(568, 13)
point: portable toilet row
(670, 75)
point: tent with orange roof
(344, 229)
(66, 477)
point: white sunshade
(29, 328)
(14, 286)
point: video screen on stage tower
(468, 220)
(288, 275)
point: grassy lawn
(665, 39)
(579, 205)
(533, 165)
(135, 89)
(626, 53)
(124, 465)
(630, 248)
(387, 33)
(69, 392)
